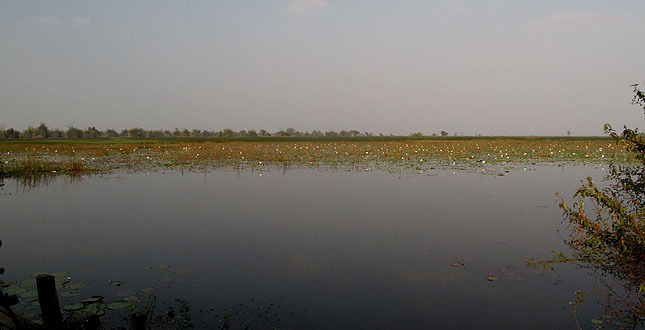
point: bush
(612, 238)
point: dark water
(311, 249)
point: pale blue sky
(391, 66)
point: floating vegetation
(148, 291)
(75, 286)
(513, 271)
(11, 290)
(72, 307)
(125, 293)
(494, 155)
(80, 310)
(119, 305)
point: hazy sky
(393, 66)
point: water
(307, 248)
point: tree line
(44, 132)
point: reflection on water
(332, 249)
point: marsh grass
(395, 153)
(35, 166)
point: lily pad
(91, 310)
(596, 321)
(93, 300)
(148, 291)
(34, 303)
(73, 307)
(491, 277)
(131, 299)
(119, 305)
(31, 294)
(160, 267)
(75, 286)
(115, 283)
(71, 293)
(125, 293)
(13, 290)
(28, 283)
(59, 274)
(34, 275)
(62, 280)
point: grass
(34, 166)
(28, 157)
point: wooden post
(138, 321)
(48, 299)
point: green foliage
(608, 230)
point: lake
(309, 248)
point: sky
(489, 67)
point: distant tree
(280, 133)
(568, 133)
(331, 134)
(73, 133)
(354, 133)
(136, 132)
(91, 133)
(110, 133)
(227, 132)
(444, 133)
(29, 133)
(416, 135)
(155, 133)
(195, 133)
(264, 133)
(252, 133)
(56, 133)
(42, 131)
(176, 132)
(292, 132)
(11, 134)
(317, 133)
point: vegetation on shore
(608, 233)
(30, 157)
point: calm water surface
(308, 248)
